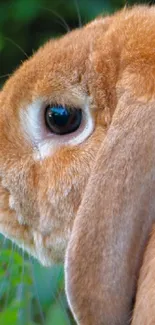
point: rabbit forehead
(55, 67)
(59, 66)
(62, 63)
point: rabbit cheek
(14, 227)
(9, 225)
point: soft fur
(92, 192)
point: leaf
(57, 315)
(8, 317)
(4, 287)
(7, 255)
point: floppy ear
(144, 311)
(113, 222)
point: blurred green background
(29, 293)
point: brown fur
(110, 63)
(145, 300)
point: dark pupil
(62, 120)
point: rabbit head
(44, 168)
(77, 157)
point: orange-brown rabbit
(77, 162)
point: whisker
(17, 45)
(78, 12)
(35, 286)
(61, 19)
(5, 75)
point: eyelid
(35, 130)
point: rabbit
(77, 162)
(145, 297)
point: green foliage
(29, 293)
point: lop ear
(144, 311)
(113, 222)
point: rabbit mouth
(48, 244)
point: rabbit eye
(62, 120)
